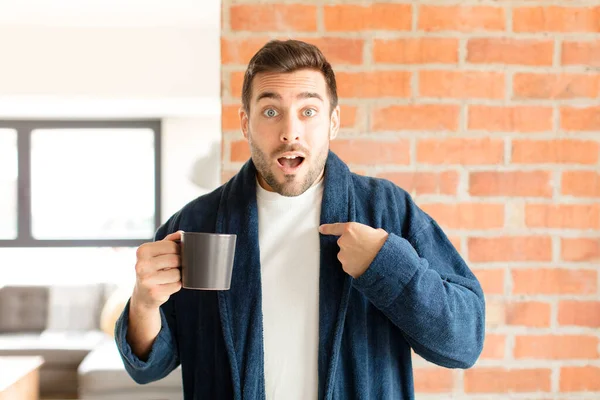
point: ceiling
(111, 13)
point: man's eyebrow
(268, 95)
(310, 95)
(277, 96)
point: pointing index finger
(336, 228)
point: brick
(491, 280)
(580, 183)
(348, 116)
(224, 147)
(511, 183)
(339, 50)
(273, 17)
(373, 84)
(556, 19)
(502, 380)
(372, 152)
(554, 281)
(230, 119)
(461, 18)
(524, 119)
(420, 117)
(581, 53)
(555, 86)
(461, 84)
(580, 119)
(433, 380)
(377, 16)
(580, 249)
(358, 171)
(580, 379)
(227, 175)
(416, 51)
(236, 50)
(555, 347)
(456, 242)
(477, 216)
(565, 216)
(510, 51)
(579, 313)
(528, 313)
(425, 182)
(564, 151)
(236, 82)
(495, 314)
(493, 347)
(463, 151)
(239, 50)
(510, 248)
(240, 151)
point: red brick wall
(489, 114)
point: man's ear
(335, 123)
(244, 121)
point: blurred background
(133, 84)
(113, 115)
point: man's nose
(291, 129)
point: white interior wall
(113, 62)
(115, 59)
(126, 59)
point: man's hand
(359, 244)
(157, 278)
(157, 272)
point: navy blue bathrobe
(418, 294)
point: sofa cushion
(57, 348)
(113, 308)
(23, 308)
(75, 307)
(103, 376)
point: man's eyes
(310, 111)
(272, 113)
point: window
(79, 183)
(8, 184)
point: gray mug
(207, 260)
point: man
(336, 276)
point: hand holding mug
(157, 272)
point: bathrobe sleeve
(425, 288)
(163, 357)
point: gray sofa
(102, 377)
(62, 324)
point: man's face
(289, 128)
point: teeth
(290, 157)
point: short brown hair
(281, 56)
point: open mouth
(290, 163)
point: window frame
(24, 217)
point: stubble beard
(290, 187)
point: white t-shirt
(290, 261)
